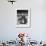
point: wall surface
(8, 28)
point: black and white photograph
(23, 17)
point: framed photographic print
(23, 18)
